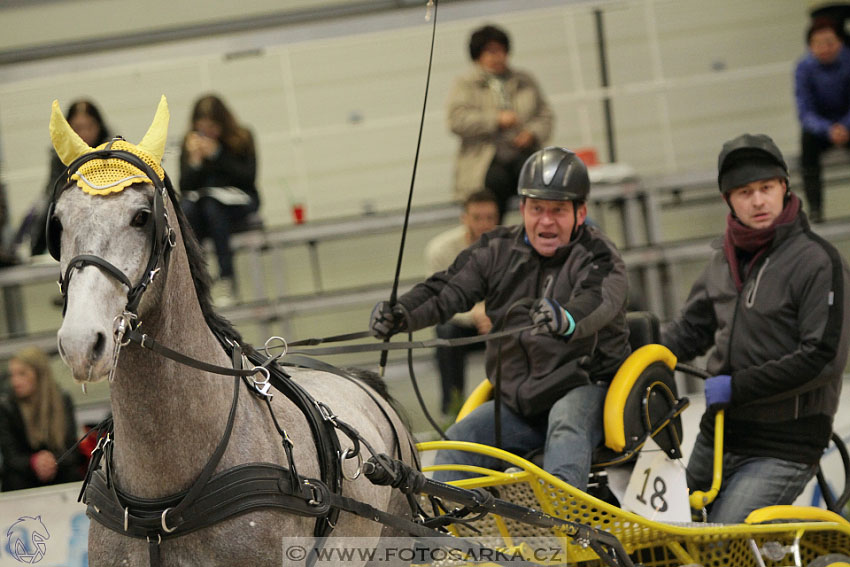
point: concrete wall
(335, 104)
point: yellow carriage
(644, 386)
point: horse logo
(25, 539)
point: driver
(773, 302)
(554, 378)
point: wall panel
(336, 119)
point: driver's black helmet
(554, 174)
(748, 158)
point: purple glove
(718, 391)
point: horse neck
(169, 417)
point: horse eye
(141, 218)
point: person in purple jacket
(822, 90)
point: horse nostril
(99, 344)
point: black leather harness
(216, 497)
(212, 497)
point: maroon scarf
(754, 241)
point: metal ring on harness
(165, 528)
(350, 454)
(267, 347)
(265, 372)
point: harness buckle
(120, 325)
(327, 413)
(153, 274)
(315, 494)
(99, 445)
(165, 528)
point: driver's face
(549, 224)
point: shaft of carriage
(383, 470)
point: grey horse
(168, 417)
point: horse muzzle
(86, 350)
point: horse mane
(219, 325)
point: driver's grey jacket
(587, 277)
(783, 339)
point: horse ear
(67, 143)
(154, 141)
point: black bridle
(162, 235)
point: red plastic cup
(298, 213)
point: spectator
(218, 167)
(36, 426)
(554, 378)
(480, 215)
(772, 302)
(7, 255)
(822, 90)
(501, 117)
(86, 120)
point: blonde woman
(36, 426)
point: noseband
(163, 237)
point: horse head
(109, 229)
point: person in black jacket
(773, 303)
(36, 426)
(218, 168)
(553, 270)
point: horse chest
(253, 539)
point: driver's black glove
(385, 321)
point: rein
(406, 345)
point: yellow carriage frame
(789, 534)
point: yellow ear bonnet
(106, 176)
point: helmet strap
(576, 226)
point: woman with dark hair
(218, 168)
(36, 426)
(86, 120)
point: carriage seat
(642, 400)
